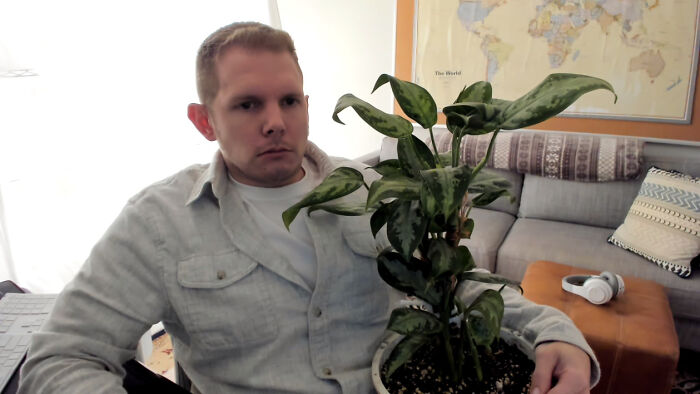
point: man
(250, 307)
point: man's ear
(199, 116)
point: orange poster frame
(405, 14)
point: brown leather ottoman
(633, 336)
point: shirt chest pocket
(226, 300)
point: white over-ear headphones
(596, 289)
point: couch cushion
(585, 246)
(601, 204)
(663, 224)
(490, 228)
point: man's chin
(279, 177)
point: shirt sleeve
(99, 317)
(535, 323)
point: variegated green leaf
(550, 97)
(414, 155)
(405, 227)
(447, 260)
(467, 228)
(404, 351)
(488, 197)
(381, 215)
(408, 321)
(465, 258)
(429, 204)
(447, 186)
(341, 182)
(461, 125)
(446, 158)
(489, 186)
(389, 187)
(477, 92)
(484, 111)
(487, 180)
(487, 277)
(408, 276)
(484, 317)
(387, 124)
(413, 99)
(389, 168)
(341, 208)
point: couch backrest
(601, 204)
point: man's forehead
(253, 54)
(243, 66)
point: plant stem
(488, 153)
(445, 317)
(473, 351)
(437, 155)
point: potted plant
(421, 197)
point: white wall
(107, 115)
(343, 46)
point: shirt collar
(214, 180)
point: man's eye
(245, 105)
(289, 101)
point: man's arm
(561, 351)
(100, 316)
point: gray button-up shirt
(186, 252)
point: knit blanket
(576, 157)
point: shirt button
(317, 312)
(220, 275)
(327, 371)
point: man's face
(259, 116)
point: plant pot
(388, 344)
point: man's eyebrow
(242, 97)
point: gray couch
(569, 222)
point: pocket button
(221, 274)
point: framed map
(647, 49)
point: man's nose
(274, 120)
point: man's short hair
(249, 35)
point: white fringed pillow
(663, 223)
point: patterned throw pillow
(663, 223)
(569, 156)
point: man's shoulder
(177, 186)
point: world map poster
(647, 49)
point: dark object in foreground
(141, 380)
(506, 370)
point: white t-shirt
(266, 205)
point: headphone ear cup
(611, 279)
(598, 291)
(620, 286)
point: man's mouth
(273, 151)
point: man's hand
(560, 368)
